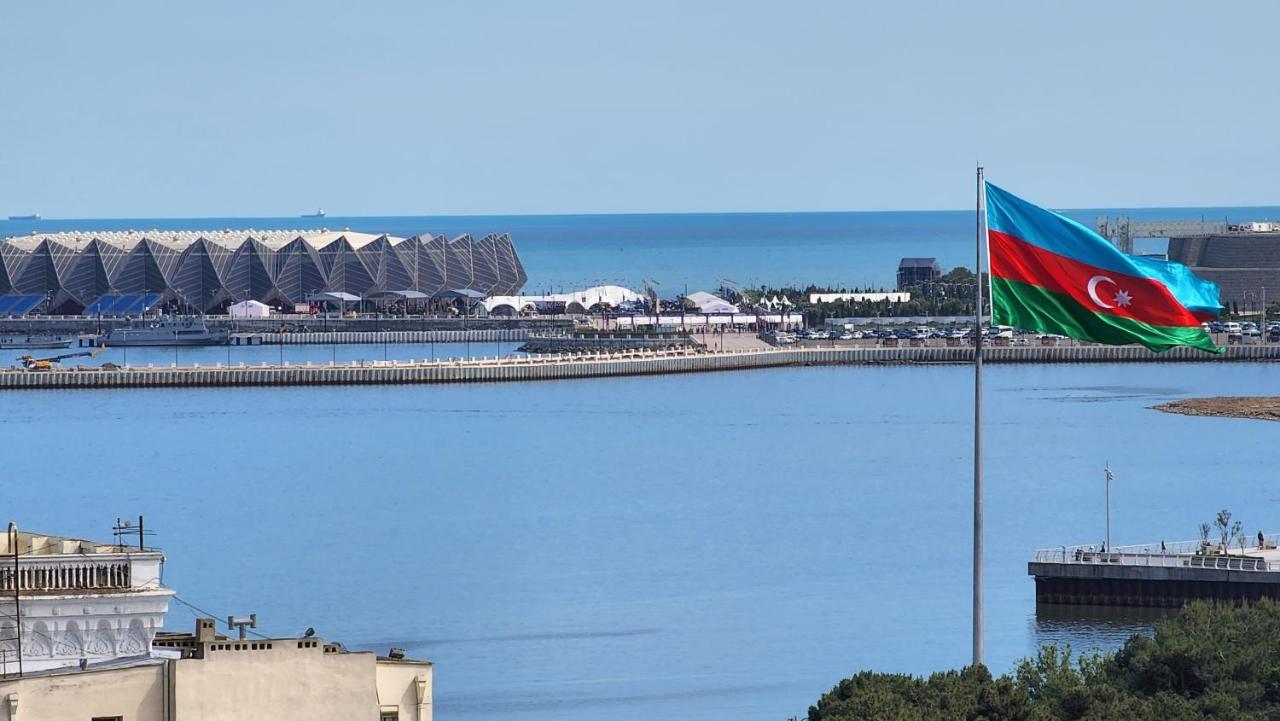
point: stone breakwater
(1263, 408)
(591, 365)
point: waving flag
(1053, 275)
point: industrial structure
(917, 271)
(1242, 258)
(204, 271)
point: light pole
(1262, 322)
(1107, 469)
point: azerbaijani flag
(1053, 275)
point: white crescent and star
(1121, 297)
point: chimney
(206, 629)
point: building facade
(1242, 262)
(917, 272)
(205, 271)
(80, 601)
(204, 676)
(81, 638)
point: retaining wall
(1170, 587)
(564, 366)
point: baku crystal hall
(202, 272)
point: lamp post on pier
(1107, 470)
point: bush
(1209, 662)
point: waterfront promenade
(590, 365)
(1156, 574)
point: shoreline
(1261, 408)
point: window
(389, 716)
(107, 718)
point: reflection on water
(1091, 629)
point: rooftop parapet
(59, 565)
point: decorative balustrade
(50, 576)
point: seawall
(593, 365)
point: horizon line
(606, 214)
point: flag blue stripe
(1010, 214)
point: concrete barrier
(591, 365)
(499, 335)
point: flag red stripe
(1150, 301)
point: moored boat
(166, 331)
(34, 340)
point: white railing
(66, 575)
(1179, 554)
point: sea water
(709, 546)
(694, 251)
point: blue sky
(151, 108)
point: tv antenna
(125, 529)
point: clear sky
(154, 108)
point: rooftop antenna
(243, 623)
(124, 529)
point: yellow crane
(46, 364)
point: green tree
(1209, 662)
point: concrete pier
(492, 335)
(587, 365)
(1153, 576)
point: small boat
(318, 214)
(33, 216)
(167, 331)
(34, 340)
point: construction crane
(46, 364)
(729, 288)
(651, 293)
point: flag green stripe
(1023, 305)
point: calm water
(562, 252)
(717, 546)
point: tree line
(1215, 662)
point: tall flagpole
(979, 231)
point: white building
(91, 648)
(80, 601)
(249, 309)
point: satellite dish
(309, 632)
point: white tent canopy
(708, 303)
(249, 309)
(612, 295)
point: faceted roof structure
(207, 269)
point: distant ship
(166, 332)
(318, 214)
(33, 216)
(34, 340)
